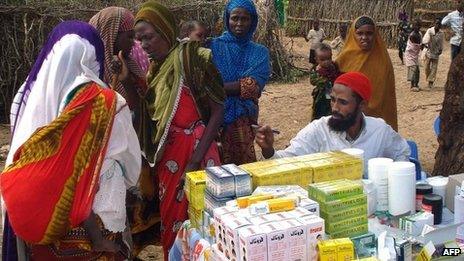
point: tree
(449, 158)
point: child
(338, 43)
(322, 77)
(411, 56)
(315, 36)
(193, 31)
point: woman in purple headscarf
(73, 155)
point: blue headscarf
(239, 57)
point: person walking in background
(339, 41)
(314, 37)
(455, 20)
(365, 52)
(404, 29)
(245, 69)
(411, 56)
(433, 42)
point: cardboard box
(212, 202)
(195, 185)
(220, 214)
(314, 231)
(286, 174)
(297, 240)
(219, 182)
(345, 224)
(345, 249)
(277, 244)
(242, 180)
(300, 212)
(415, 223)
(333, 190)
(253, 244)
(453, 182)
(216, 254)
(351, 232)
(310, 205)
(283, 190)
(331, 217)
(232, 246)
(263, 219)
(327, 250)
(345, 203)
(284, 215)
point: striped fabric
(109, 22)
(51, 184)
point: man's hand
(265, 139)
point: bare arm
(99, 244)
(215, 121)
(232, 88)
(132, 97)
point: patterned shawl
(186, 63)
(58, 142)
(377, 66)
(109, 22)
(237, 58)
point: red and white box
(315, 232)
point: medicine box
(253, 244)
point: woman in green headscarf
(184, 103)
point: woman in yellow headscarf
(185, 105)
(365, 52)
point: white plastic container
(439, 186)
(371, 192)
(378, 174)
(401, 188)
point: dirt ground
(287, 107)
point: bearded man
(347, 127)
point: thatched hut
(331, 13)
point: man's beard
(344, 122)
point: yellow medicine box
(286, 174)
(345, 249)
(327, 250)
(336, 250)
(195, 185)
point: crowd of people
(115, 111)
(414, 48)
